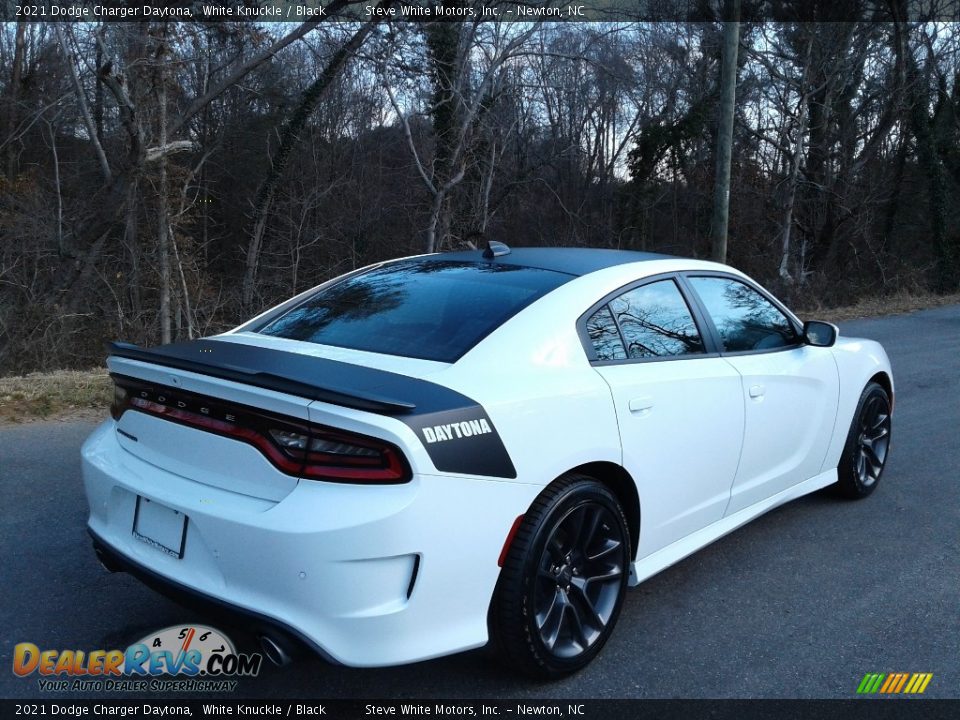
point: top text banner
(477, 10)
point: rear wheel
(563, 581)
(868, 444)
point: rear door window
(650, 321)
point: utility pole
(728, 91)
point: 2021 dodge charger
(437, 452)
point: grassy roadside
(898, 304)
(86, 394)
(63, 394)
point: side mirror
(820, 334)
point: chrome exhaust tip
(274, 651)
(105, 562)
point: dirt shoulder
(69, 395)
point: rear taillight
(328, 454)
(120, 401)
(292, 446)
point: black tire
(868, 445)
(563, 581)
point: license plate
(160, 526)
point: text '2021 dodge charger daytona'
(433, 453)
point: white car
(437, 452)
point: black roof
(572, 261)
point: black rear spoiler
(306, 376)
(470, 441)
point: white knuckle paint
(710, 443)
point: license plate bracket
(160, 526)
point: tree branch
(155, 153)
(245, 68)
(84, 108)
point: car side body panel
(681, 427)
(790, 398)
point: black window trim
(710, 346)
(616, 324)
(717, 340)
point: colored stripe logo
(894, 683)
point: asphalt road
(801, 603)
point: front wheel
(868, 444)
(563, 580)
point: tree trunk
(98, 93)
(796, 156)
(15, 80)
(163, 221)
(728, 91)
(187, 310)
(82, 102)
(132, 241)
(790, 201)
(57, 186)
(435, 209)
(290, 136)
(446, 66)
(929, 164)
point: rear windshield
(434, 310)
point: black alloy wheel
(563, 582)
(578, 579)
(868, 444)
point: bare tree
(16, 76)
(460, 97)
(289, 137)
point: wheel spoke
(578, 589)
(574, 528)
(576, 625)
(552, 621)
(878, 435)
(860, 466)
(607, 574)
(871, 456)
(879, 421)
(555, 548)
(590, 529)
(609, 547)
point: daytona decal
(467, 428)
(462, 440)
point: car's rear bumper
(365, 575)
(290, 639)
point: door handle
(757, 391)
(641, 405)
